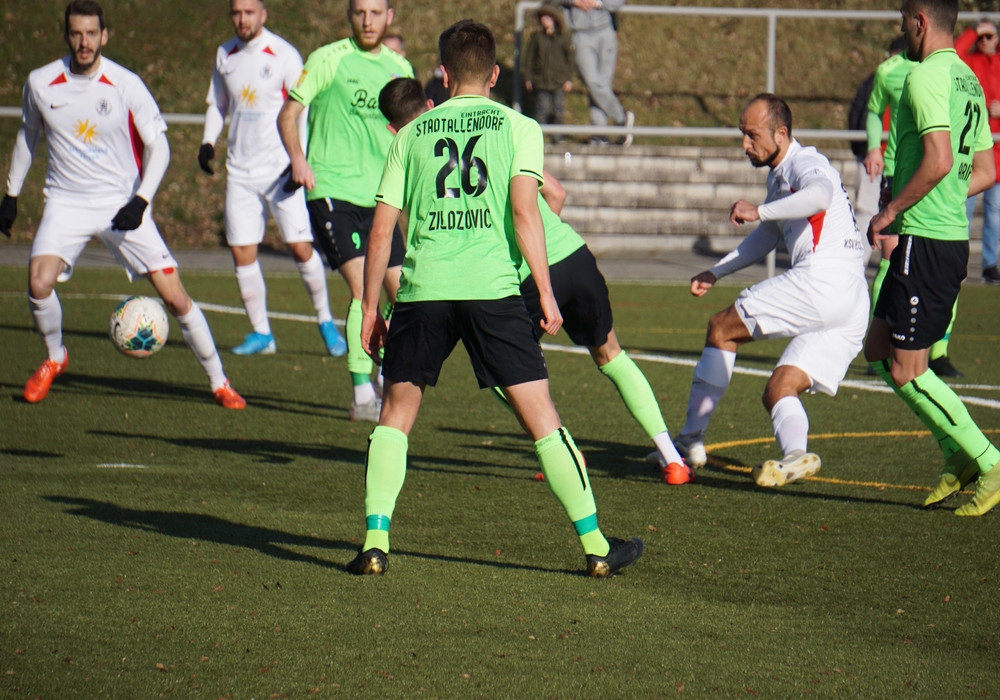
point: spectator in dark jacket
(547, 67)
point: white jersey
(808, 207)
(250, 82)
(95, 127)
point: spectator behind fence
(547, 67)
(595, 39)
(977, 46)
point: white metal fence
(771, 15)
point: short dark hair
(779, 114)
(402, 100)
(468, 51)
(942, 13)
(83, 8)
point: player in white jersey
(821, 303)
(108, 152)
(250, 81)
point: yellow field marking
(880, 485)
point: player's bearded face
(85, 39)
(762, 154)
(370, 19)
(248, 18)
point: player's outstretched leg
(313, 276)
(47, 313)
(253, 292)
(366, 405)
(940, 409)
(641, 402)
(791, 430)
(711, 378)
(197, 335)
(385, 470)
(566, 475)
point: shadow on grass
(267, 451)
(34, 454)
(267, 541)
(155, 389)
(198, 526)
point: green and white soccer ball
(138, 326)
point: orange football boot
(227, 397)
(37, 387)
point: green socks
(940, 348)
(636, 393)
(883, 269)
(358, 362)
(940, 409)
(566, 474)
(385, 469)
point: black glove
(290, 184)
(8, 212)
(205, 155)
(129, 217)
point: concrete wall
(647, 199)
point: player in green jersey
(347, 146)
(580, 291)
(467, 173)
(944, 153)
(886, 90)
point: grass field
(155, 544)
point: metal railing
(772, 15)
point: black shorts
(582, 296)
(340, 230)
(495, 332)
(919, 292)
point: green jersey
(348, 138)
(561, 240)
(451, 168)
(888, 87)
(941, 93)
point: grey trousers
(596, 57)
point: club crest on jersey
(266, 72)
(103, 107)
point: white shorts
(826, 316)
(247, 207)
(68, 226)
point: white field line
(875, 386)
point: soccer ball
(138, 326)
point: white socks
(712, 375)
(198, 337)
(314, 278)
(48, 320)
(791, 425)
(666, 448)
(250, 279)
